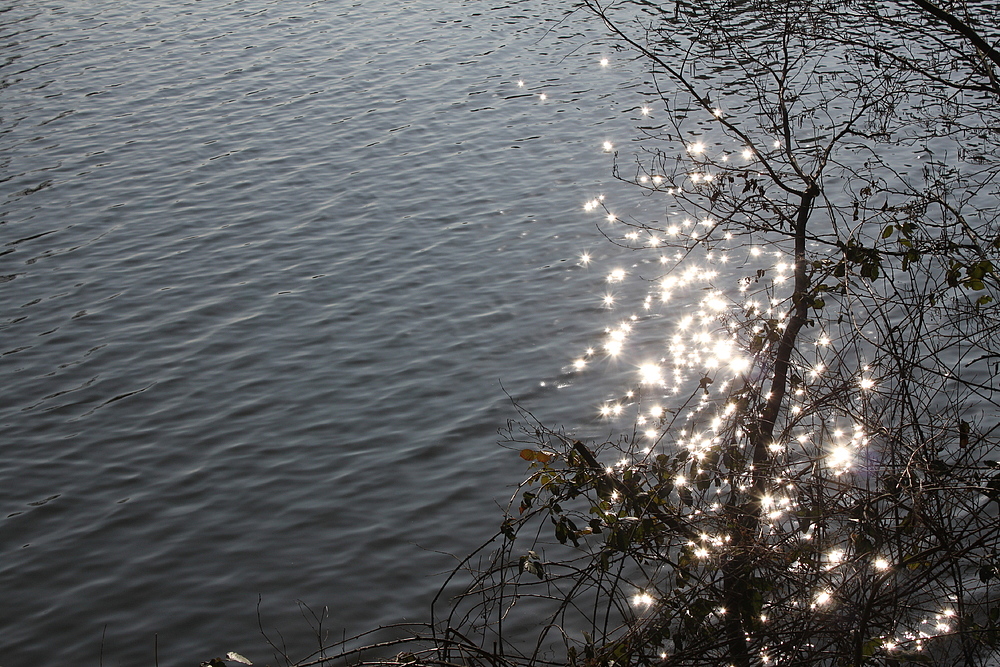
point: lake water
(267, 271)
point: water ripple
(263, 267)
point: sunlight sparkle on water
(642, 599)
(840, 457)
(650, 374)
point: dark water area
(263, 269)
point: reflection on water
(718, 299)
(264, 268)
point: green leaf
(526, 501)
(863, 545)
(887, 232)
(701, 608)
(952, 277)
(531, 565)
(507, 528)
(869, 270)
(561, 534)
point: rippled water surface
(263, 268)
